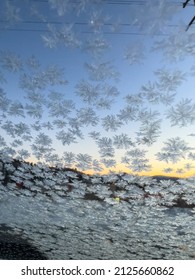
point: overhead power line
(122, 2)
(112, 2)
(190, 23)
(193, 19)
(187, 2)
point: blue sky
(144, 43)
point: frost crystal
(66, 138)
(105, 147)
(21, 129)
(16, 109)
(60, 5)
(109, 162)
(149, 132)
(69, 158)
(96, 166)
(4, 101)
(96, 46)
(101, 71)
(34, 111)
(84, 161)
(182, 114)
(88, 92)
(10, 61)
(127, 114)
(150, 92)
(134, 53)
(139, 165)
(50, 41)
(87, 116)
(97, 21)
(110, 122)
(159, 13)
(177, 45)
(67, 37)
(122, 141)
(2, 142)
(12, 13)
(61, 108)
(174, 150)
(169, 81)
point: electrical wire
(113, 2)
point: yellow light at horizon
(120, 168)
